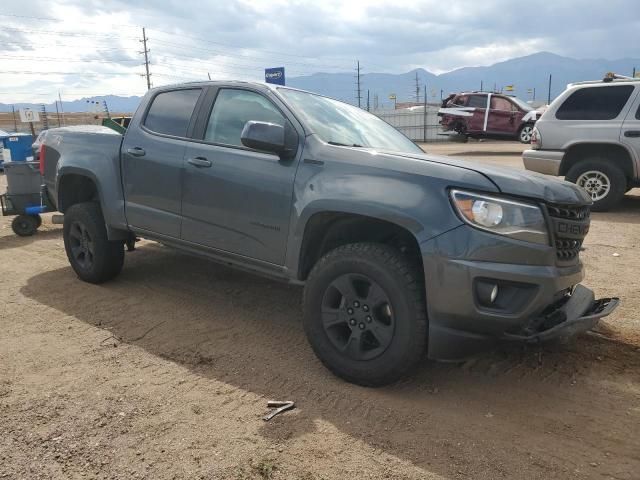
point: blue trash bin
(17, 147)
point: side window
(477, 101)
(595, 103)
(459, 100)
(500, 103)
(170, 112)
(638, 113)
(233, 109)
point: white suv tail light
(536, 140)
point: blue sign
(274, 75)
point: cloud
(189, 39)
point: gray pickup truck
(400, 252)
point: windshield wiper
(344, 144)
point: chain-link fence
(416, 123)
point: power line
(61, 20)
(80, 74)
(68, 34)
(203, 40)
(183, 46)
(54, 59)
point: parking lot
(165, 373)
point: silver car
(590, 135)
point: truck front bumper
(543, 161)
(536, 300)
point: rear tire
(24, 225)
(603, 181)
(365, 313)
(92, 256)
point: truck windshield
(339, 123)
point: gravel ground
(165, 372)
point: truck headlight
(523, 221)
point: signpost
(274, 75)
(394, 97)
(29, 116)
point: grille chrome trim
(570, 225)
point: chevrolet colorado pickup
(400, 252)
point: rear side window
(500, 103)
(477, 101)
(595, 103)
(170, 112)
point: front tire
(365, 313)
(92, 256)
(603, 181)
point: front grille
(570, 226)
(571, 213)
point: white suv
(591, 135)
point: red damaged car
(488, 115)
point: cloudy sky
(90, 47)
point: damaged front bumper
(574, 314)
(538, 297)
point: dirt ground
(165, 372)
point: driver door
(236, 199)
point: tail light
(536, 140)
(41, 158)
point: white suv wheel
(595, 183)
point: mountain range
(525, 74)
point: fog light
(487, 293)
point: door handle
(136, 152)
(632, 133)
(200, 162)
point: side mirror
(268, 137)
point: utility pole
(61, 109)
(209, 75)
(146, 58)
(358, 85)
(375, 101)
(368, 104)
(58, 113)
(417, 88)
(549, 92)
(634, 73)
(481, 86)
(15, 122)
(424, 117)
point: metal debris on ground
(279, 407)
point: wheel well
(329, 230)
(74, 189)
(614, 153)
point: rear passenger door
(152, 161)
(502, 116)
(630, 133)
(476, 123)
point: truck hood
(515, 182)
